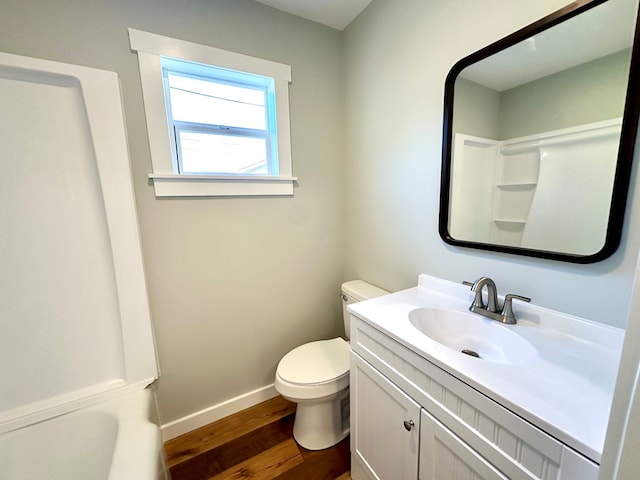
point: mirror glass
(539, 130)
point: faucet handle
(507, 310)
(478, 301)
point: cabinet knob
(408, 425)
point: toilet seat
(314, 371)
(315, 363)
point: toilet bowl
(315, 376)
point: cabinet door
(444, 456)
(385, 425)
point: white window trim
(167, 182)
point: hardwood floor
(256, 443)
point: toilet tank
(357, 291)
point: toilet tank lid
(361, 290)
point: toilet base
(322, 424)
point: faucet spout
(492, 309)
(492, 294)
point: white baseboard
(216, 412)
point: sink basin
(473, 335)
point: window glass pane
(201, 101)
(213, 153)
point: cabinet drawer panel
(517, 448)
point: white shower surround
(75, 318)
(533, 205)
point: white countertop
(565, 390)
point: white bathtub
(113, 440)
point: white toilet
(316, 377)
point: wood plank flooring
(256, 443)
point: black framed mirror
(539, 133)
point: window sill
(171, 185)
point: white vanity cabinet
(387, 437)
(412, 420)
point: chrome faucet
(491, 309)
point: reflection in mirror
(539, 132)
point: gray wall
(233, 283)
(476, 109)
(397, 57)
(588, 93)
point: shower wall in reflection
(515, 192)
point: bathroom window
(218, 121)
(221, 121)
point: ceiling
(542, 55)
(334, 13)
(601, 31)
